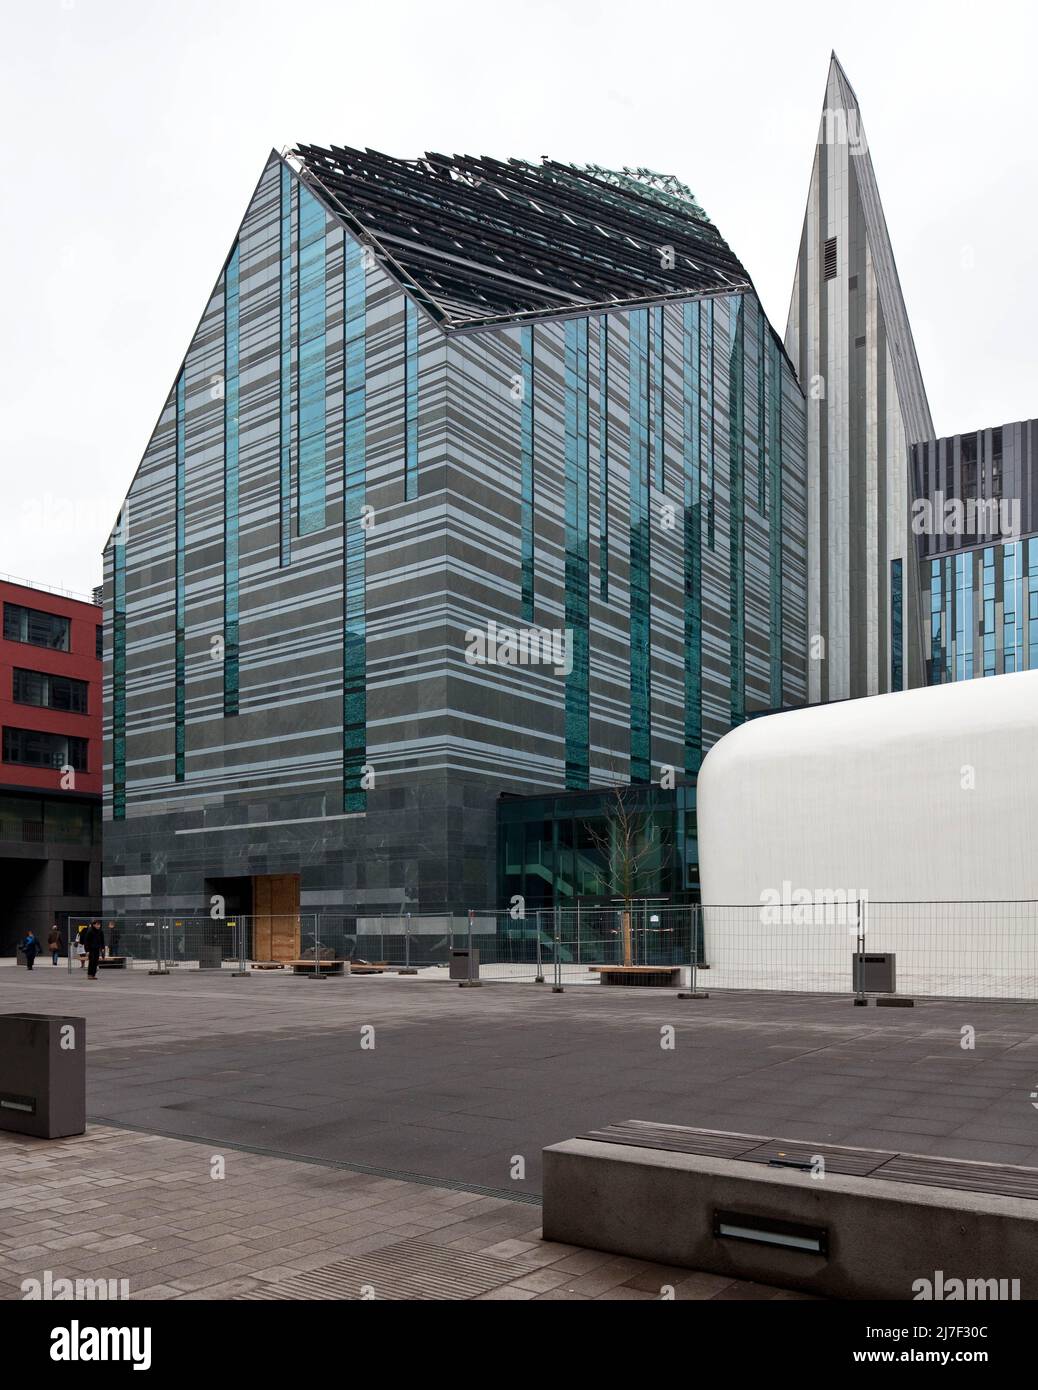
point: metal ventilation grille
(830, 259)
(1003, 1179)
(409, 1269)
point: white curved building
(923, 802)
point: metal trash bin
(210, 956)
(464, 964)
(874, 972)
(42, 1075)
(21, 959)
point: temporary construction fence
(557, 943)
(940, 949)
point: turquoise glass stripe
(640, 580)
(737, 493)
(603, 457)
(576, 535)
(711, 512)
(692, 433)
(180, 594)
(658, 405)
(897, 672)
(311, 385)
(231, 349)
(119, 674)
(287, 382)
(526, 501)
(774, 463)
(354, 654)
(410, 400)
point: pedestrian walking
(113, 940)
(94, 941)
(81, 945)
(55, 945)
(30, 948)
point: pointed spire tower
(849, 337)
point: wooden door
(275, 926)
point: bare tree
(626, 843)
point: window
(75, 878)
(830, 259)
(99, 642)
(39, 629)
(30, 748)
(50, 692)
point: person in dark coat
(94, 941)
(54, 944)
(30, 948)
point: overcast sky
(134, 132)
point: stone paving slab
(330, 1230)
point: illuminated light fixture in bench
(733, 1225)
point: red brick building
(50, 760)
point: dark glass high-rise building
(477, 477)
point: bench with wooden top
(112, 962)
(638, 974)
(368, 967)
(318, 967)
(268, 965)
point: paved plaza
(398, 1115)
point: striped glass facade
(589, 476)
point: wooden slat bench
(368, 967)
(638, 974)
(324, 967)
(268, 965)
(112, 963)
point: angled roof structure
(482, 240)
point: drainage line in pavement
(532, 1199)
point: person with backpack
(55, 945)
(30, 948)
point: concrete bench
(323, 967)
(112, 963)
(638, 974)
(823, 1219)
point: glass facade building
(975, 519)
(421, 528)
